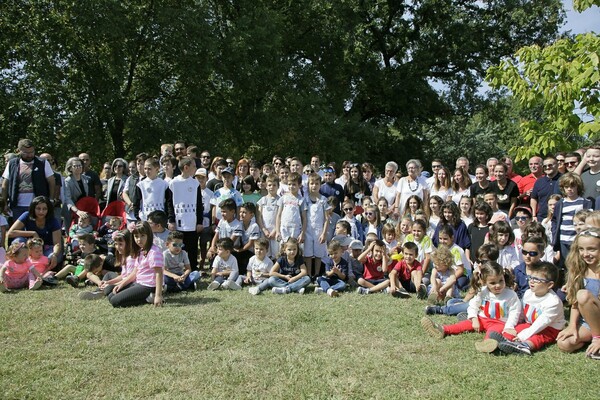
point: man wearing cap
(330, 188)
(26, 177)
(525, 185)
(544, 187)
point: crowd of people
(505, 253)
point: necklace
(410, 187)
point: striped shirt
(567, 227)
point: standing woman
(481, 185)
(442, 185)
(461, 185)
(242, 170)
(367, 170)
(412, 184)
(39, 222)
(357, 187)
(387, 187)
(507, 192)
(116, 183)
(77, 186)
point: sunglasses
(560, 161)
(178, 244)
(436, 166)
(521, 218)
(571, 163)
(535, 279)
(369, 214)
(349, 209)
(548, 166)
(530, 253)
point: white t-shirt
(26, 185)
(259, 268)
(389, 193)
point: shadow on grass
(180, 301)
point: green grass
(234, 345)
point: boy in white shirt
(259, 267)
(267, 215)
(315, 246)
(225, 273)
(151, 192)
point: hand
(158, 301)
(102, 285)
(301, 237)
(199, 228)
(567, 333)
(476, 326)
(247, 280)
(510, 331)
(278, 237)
(593, 348)
(53, 261)
(288, 277)
(322, 238)
(81, 214)
(272, 235)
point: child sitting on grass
(178, 271)
(259, 267)
(289, 272)
(40, 261)
(76, 272)
(407, 274)
(336, 272)
(105, 233)
(494, 308)
(225, 272)
(375, 261)
(17, 272)
(442, 287)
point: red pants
(540, 339)
(487, 325)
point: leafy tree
(563, 79)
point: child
(228, 227)
(76, 272)
(130, 194)
(466, 214)
(461, 266)
(317, 223)
(547, 222)
(267, 215)
(479, 229)
(291, 214)
(451, 217)
(413, 203)
(17, 272)
(250, 233)
(593, 219)
(105, 233)
(289, 272)
(336, 272)
(333, 217)
(492, 201)
(403, 229)
(92, 263)
(375, 261)
(356, 228)
(502, 236)
(522, 218)
(83, 226)
(227, 192)
(207, 232)
(407, 274)
(533, 250)
(250, 191)
(387, 216)
(579, 220)
(434, 210)
(583, 288)
(178, 271)
(150, 192)
(389, 238)
(3, 225)
(423, 242)
(543, 312)
(442, 287)
(372, 223)
(158, 222)
(495, 308)
(356, 267)
(144, 283)
(40, 261)
(259, 267)
(225, 271)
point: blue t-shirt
(44, 233)
(286, 269)
(342, 266)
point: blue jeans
(173, 286)
(222, 279)
(331, 283)
(294, 286)
(455, 306)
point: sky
(588, 21)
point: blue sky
(588, 21)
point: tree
(563, 79)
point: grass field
(214, 345)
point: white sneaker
(232, 285)
(301, 291)
(214, 285)
(332, 293)
(254, 290)
(36, 285)
(281, 290)
(319, 290)
(91, 295)
(225, 285)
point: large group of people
(505, 253)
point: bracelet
(596, 337)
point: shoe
(319, 290)
(595, 356)
(214, 285)
(432, 299)
(519, 348)
(431, 310)
(301, 291)
(150, 298)
(36, 285)
(281, 290)
(49, 281)
(434, 329)
(333, 293)
(233, 286)
(462, 316)
(195, 286)
(401, 293)
(362, 290)
(72, 280)
(3, 288)
(422, 292)
(254, 290)
(91, 295)
(497, 336)
(486, 346)
(225, 285)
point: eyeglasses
(176, 244)
(571, 163)
(349, 209)
(548, 166)
(560, 161)
(530, 253)
(328, 170)
(205, 156)
(521, 218)
(277, 163)
(369, 214)
(77, 166)
(535, 279)
(436, 166)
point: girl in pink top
(17, 272)
(144, 283)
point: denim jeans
(275, 281)
(222, 279)
(455, 306)
(331, 283)
(173, 286)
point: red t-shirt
(373, 269)
(404, 270)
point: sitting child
(225, 272)
(375, 261)
(40, 261)
(178, 272)
(83, 226)
(442, 287)
(76, 272)
(105, 240)
(259, 267)
(336, 272)
(289, 273)
(17, 272)
(407, 274)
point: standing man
(436, 164)
(490, 164)
(463, 162)
(95, 189)
(25, 178)
(526, 183)
(544, 187)
(572, 160)
(205, 160)
(512, 175)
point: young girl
(433, 211)
(450, 215)
(40, 261)
(466, 213)
(535, 229)
(123, 261)
(593, 219)
(441, 185)
(533, 249)
(442, 287)
(481, 185)
(144, 283)
(583, 288)
(502, 236)
(461, 266)
(389, 237)
(372, 223)
(419, 237)
(403, 229)
(356, 187)
(17, 272)
(3, 225)
(479, 229)
(250, 192)
(413, 203)
(387, 217)
(547, 222)
(495, 308)
(289, 272)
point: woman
(116, 183)
(412, 184)
(242, 170)
(505, 189)
(212, 174)
(481, 185)
(77, 185)
(39, 222)
(461, 184)
(367, 170)
(442, 186)
(387, 187)
(356, 188)
(105, 174)
(343, 179)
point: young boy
(185, 207)
(105, 240)
(158, 223)
(267, 215)
(228, 227)
(424, 244)
(332, 216)
(259, 267)
(497, 214)
(375, 261)
(150, 192)
(178, 271)
(130, 193)
(83, 226)
(76, 272)
(356, 267)
(225, 271)
(291, 213)
(336, 270)
(283, 174)
(543, 312)
(250, 233)
(207, 232)
(224, 193)
(407, 274)
(315, 247)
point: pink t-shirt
(41, 264)
(128, 267)
(146, 264)
(18, 271)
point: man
(543, 188)
(436, 164)
(490, 164)
(572, 160)
(180, 149)
(463, 162)
(26, 177)
(526, 183)
(315, 163)
(511, 174)
(205, 160)
(95, 189)
(58, 194)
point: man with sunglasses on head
(544, 187)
